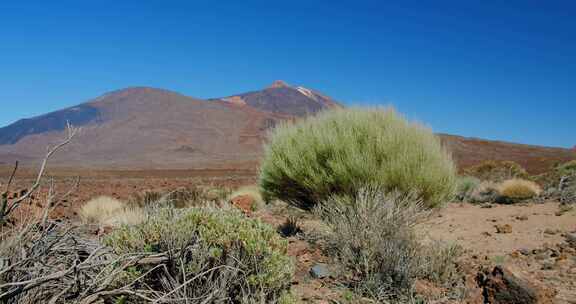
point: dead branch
(71, 133)
(11, 177)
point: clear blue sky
(493, 69)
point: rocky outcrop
(507, 285)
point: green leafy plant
(340, 151)
(230, 255)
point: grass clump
(183, 197)
(497, 170)
(465, 187)
(251, 191)
(125, 216)
(372, 237)
(485, 192)
(519, 189)
(340, 151)
(233, 258)
(100, 209)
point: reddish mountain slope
(283, 98)
(536, 159)
(151, 128)
(145, 128)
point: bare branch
(11, 177)
(71, 133)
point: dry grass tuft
(372, 236)
(519, 189)
(100, 209)
(126, 216)
(253, 192)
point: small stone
(524, 251)
(548, 264)
(540, 256)
(522, 217)
(506, 228)
(571, 239)
(320, 271)
(550, 231)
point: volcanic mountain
(147, 128)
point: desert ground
(533, 240)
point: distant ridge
(280, 97)
(150, 128)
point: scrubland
(349, 206)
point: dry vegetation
(519, 189)
(365, 178)
(100, 209)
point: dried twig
(71, 133)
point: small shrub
(100, 209)
(183, 197)
(560, 183)
(485, 192)
(338, 152)
(497, 171)
(233, 258)
(145, 198)
(519, 189)
(439, 263)
(567, 168)
(290, 227)
(465, 187)
(372, 236)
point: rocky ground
(511, 250)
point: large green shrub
(232, 257)
(341, 151)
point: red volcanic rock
(278, 84)
(244, 203)
(506, 285)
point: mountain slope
(536, 159)
(151, 128)
(283, 98)
(146, 128)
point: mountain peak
(279, 84)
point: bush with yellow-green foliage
(338, 152)
(100, 209)
(226, 255)
(497, 170)
(519, 189)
